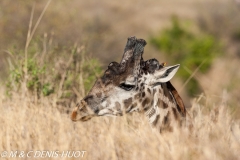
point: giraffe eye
(126, 87)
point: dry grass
(28, 125)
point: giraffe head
(126, 86)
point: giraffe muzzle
(78, 115)
(74, 114)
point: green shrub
(53, 70)
(191, 50)
(91, 70)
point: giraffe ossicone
(135, 85)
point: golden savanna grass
(29, 125)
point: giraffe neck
(165, 113)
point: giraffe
(135, 85)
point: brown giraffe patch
(137, 96)
(127, 102)
(108, 103)
(160, 90)
(118, 106)
(154, 91)
(145, 102)
(146, 108)
(164, 129)
(131, 107)
(149, 91)
(99, 94)
(143, 94)
(164, 105)
(156, 120)
(166, 119)
(159, 103)
(175, 113)
(89, 97)
(152, 103)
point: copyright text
(42, 154)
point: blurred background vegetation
(76, 40)
(194, 51)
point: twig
(25, 51)
(37, 23)
(192, 75)
(77, 93)
(59, 94)
(30, 35)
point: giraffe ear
(165, 74)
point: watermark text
(43, 154)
